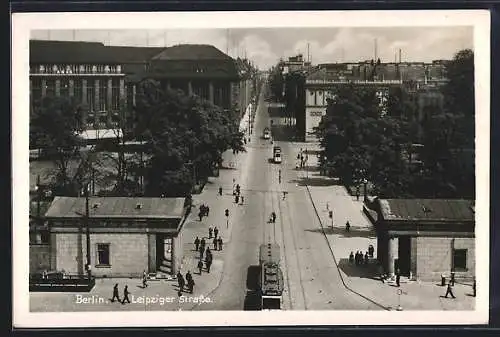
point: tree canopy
(185, 137)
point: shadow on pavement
(252, 297)
(315, 182)
(283, 133)
(362, 271)
(353, 233)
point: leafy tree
(54, 126)
(276, 82)
(185, 137)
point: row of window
(76, 69)
(90, 93)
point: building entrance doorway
(164, 253)
(404, 255)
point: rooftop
(192, 52)
(117, 208)
(444, 210)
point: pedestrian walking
(216, 232)
(347, 226)
(452, 278)
(273, 217)
(357, 193)
(236, 198)
(356, 258)
(366, 258)
(449, 291)
(203, 243)
(220, 243)
(207, 210)
(208, 252)
(398, 276)
(210, 232)
(190, 281)
(208, 262)
(200, 266)
(284, 195)
(202, 251)
(115, 293)
(197, 243)
(144, 280)
(351, 258)
(215, 243)
(180, 281)
(125, 295)
(242, 200)
(220, 190)
(200, 215)
(371, 250)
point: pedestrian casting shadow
(353, 232)
(362, 271)
(252, 298)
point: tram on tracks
(271, 277)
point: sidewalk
(415, 295)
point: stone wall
(128, 253)
(434, 257)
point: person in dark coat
(208, 262)
(366, 258)
(200, 266)
(220, 190)
(347, 226)
(197, 243)
(210, 232)
(449, 290)
(215, 243)
(200, 215)
(144, 280)
(351, 258)
(203, 243)
(220, 243)
(371, 250)
(125, 295)
(398, 276)
(190, 281)
(202, 251)
(474, 288)
(216, 232)
(208, 252)
(180, 281)
(115, 293)
(356, 258)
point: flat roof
(117, 208)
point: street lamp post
(365, 182)
(38, 221)
(87, 229)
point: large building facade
(104, 79)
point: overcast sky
(265, 46)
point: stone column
(134, 90)
(109, 107)
(123, 95)
(44, 87)
(211, 91)
(72, 88)
(173, 256)
(84, 92)
(152, 253)
(58, 87)
(97, 102)
(190, 88)
(392, 254)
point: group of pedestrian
(116, 294)
(237, 194)
(214, 231)
(358, 259)
(181, 282)
(301, 159)
(204, 211)
(217, 243)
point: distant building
(127, 235)
(426, 237)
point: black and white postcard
(250, 168)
